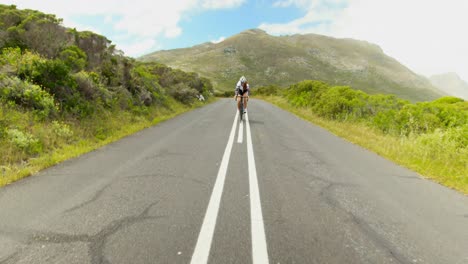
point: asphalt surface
(145, 199)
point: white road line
(202, 249)
(259, 246)
(240, 135)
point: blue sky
(428, 36)
(211, 25)
(198, 25)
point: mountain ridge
(284, 60)
(451, 83)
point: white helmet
(243, 79)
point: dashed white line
(259, 245)
(202, 249)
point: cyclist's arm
(238, 88)
(236, 92)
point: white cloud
(138, 17)
(108, 19)
(219, 4)
(81, 27)
(138, 47)
(221, 39)
(309, 4)
(319, 16)
(146, 20)
(426, 35)
(316, 18)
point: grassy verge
(424, 154)
(63, 140)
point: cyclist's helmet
(243, 80)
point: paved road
(184, 191)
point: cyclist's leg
(246, 99)
(238, 102)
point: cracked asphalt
(143, 199)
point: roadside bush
(50, 74)
(305, 93)
(268, 90)
(28, 95)
(207, 87)
(86, 86)
(224, 94)
(448, 100)
(90, 88)
(454, 138)
(78, 107)
(24, 141)
(421, 118)
(62, 130)
(182, 93)
(341, 102)
(386, 112)
(146, 87)
(377, 103)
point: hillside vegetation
(286, 60)
(64, 92)
(428, 137)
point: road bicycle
(241, 107)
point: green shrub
(62, 130)
(305, 93)
(207, 87)
(24, 141)
(421, 118)
(224, 94)
(28, 95)
(51, 74)
(79, 107)
(268, 90)
(448, 100)
(383, 102)
(183, 93)
(86, 86)
(10, 57)
(453, 139)
(341, 102)
(25, 66)
(386, 121)
(74, 58)
(386, 112)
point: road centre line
(259, 246)
(203, 246)
(240, 135)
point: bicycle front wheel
(241, 111)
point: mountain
(451, 83)
(284, 60)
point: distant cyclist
(242, 89)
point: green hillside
(285, 60)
